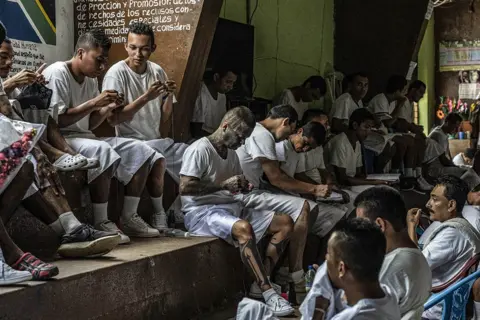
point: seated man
(79, 108)
(258, 157)
(453, 242)
(465, 159)
(62, 156)
(354, 260)
(300, 97)
(404, 269)
(381, 107)
(344, 154)
(443, 164)
(351, 100)
(210, 177)
(211, 103)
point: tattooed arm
(193, 186)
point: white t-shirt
(408, 274)
(202, 161)
(208, 110)
(459, 161)
(405, 111)
(380, 106)
(472, 214)
(68, 93)
(261, 144)
(145, 124)
(313, 161)
(343, 107)
(385, 308)
(441, 138)
(291, 162)
(2, 91)
(342, 155)
(287, 97)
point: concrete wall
(293, 40)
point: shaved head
(240, 118)
(237, 125)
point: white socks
(409, 172)
(476, 307)
(418, 172)
(297, 276)
(66, 223)
(130, 206)
(158, 204)
(100, 212)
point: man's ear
(154, 47)
(452, 205)
(286, 122)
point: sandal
(67, 162)
(40, 270)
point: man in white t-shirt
(465, 159)
(78, 107)
(211, 103)
(300, 97)
(211, 176)
(259, 161)
(354, 260)
(405, 270)
(62, 156)
(454, 241)
(146, 116)
(344, 154)
(443, 164)
(351, 100)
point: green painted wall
(426, 73)
(293, 40)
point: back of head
(455, 189)
(283, 111)
(361, 245)
(359, 116)
(316, 82)
(316, 131)
(311, 114)
(223, 68)
(417, 84)
(395, 83)
(470, 153)
(453, 118)
(385, 203)
(141, 28)
(93, 39)
(240, 117)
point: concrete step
(163, 278)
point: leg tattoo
(251, 259)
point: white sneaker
(159, 221)
(136, 227)
(423, 184)
(256, 292)
(8, 275)
(109, 226)
(279, 306)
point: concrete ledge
(164, 278)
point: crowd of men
(290, 178)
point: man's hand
(24, 78)
(236, 184)
(413, 217)
(322, 191)
(46, 172)
(170, 86)
(156, 90)
(106, 98)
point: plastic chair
(454, 298)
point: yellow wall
(293, 40)
(426, 73)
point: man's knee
(284, 223)
(159, 166)
(242, 231)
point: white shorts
(127, 156)
(218, 220)
(173, 153)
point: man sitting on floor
(211, 103)
(258, 157)
(354, 260)
(465, 159)
(299, 97)
(404, 269)
(451, 244)
(210, 177)
(345, 155)
(79, 108)
(443, 164)
(62, 156)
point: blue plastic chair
(454, 298)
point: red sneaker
(40, 270)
